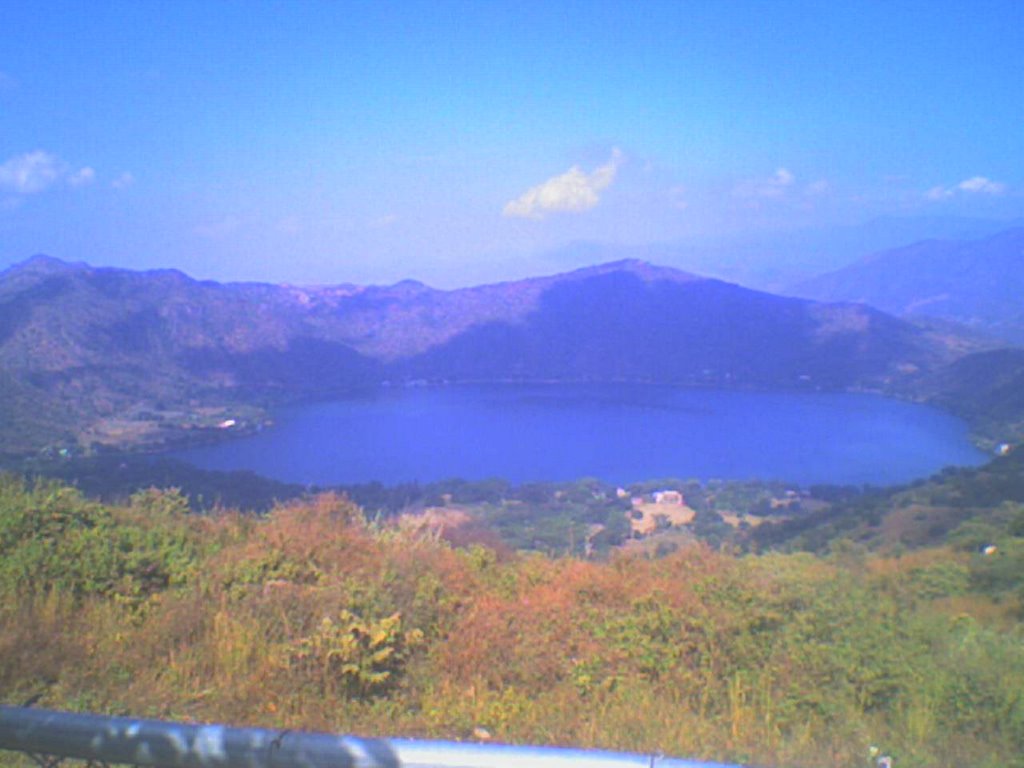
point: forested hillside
(984, 388)
(314, 618)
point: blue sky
(462, 142)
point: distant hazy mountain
(83, 346)
(977, 282)
(773, 261)
(631, 321)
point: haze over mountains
(977, 282)
(775, 261)
(122, 357)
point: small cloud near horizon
(818, 188)
(938, 193)
(123, 181)
(574, 191)
(981, 184)
(31, 172)
(773, 187)
(82, 177)
(976, 185)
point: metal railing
(49, 737)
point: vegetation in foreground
(591, 518)
(312, 617)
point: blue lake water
(616, 432)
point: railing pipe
(161, 744)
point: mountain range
(109, 356)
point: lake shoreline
(670, 390)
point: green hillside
(314, 618)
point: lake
(616, 432)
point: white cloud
(31, 172)
(775, 186)
(82, 177)
(818, 188)
(123, 181)
(37, 171)
(572, 192)
(783, 178)
(976, 185)
(981, 184)
(382, 222)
